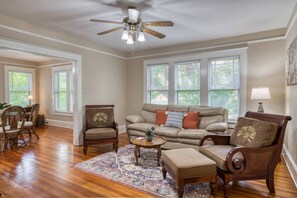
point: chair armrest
(134, 119)
(115, 126)
(261, 156)
(217, 127)
(217, 139)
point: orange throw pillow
(191, 120)
(161, 117)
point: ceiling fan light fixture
(133, 15)
(130, 40)
(141, 37)
(125, 35)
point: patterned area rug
(147, 177)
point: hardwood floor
(44, 168)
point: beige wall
(265, 67)
(103, 76)
(291, 107)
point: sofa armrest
(217, 127)
(134, 119)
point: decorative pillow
(191, 120)
(219, 127)
(253, 133)
(161, 117)
(100, 118)
(175, 119)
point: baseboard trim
(59, 123)
(291, 164)
(122, 129)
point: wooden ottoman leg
(180, 184)
(164, 172)
(214, 184)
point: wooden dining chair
(13, 119)
(29, 126)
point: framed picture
(291, 63)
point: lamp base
(260, 108)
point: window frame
(203, 58)
(10, 68)
(70, 91)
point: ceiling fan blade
(105, 21)
(111, 30)
(153, 32)
(158, 23)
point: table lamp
(30, 98)
(260, 93)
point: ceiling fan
(132, 25)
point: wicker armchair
(12, 121)
(235, 163)
(29, 126)
(100, 126)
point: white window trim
(7, 69)
(203, 58)
(54, 111)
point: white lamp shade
(260, 93)
(133, 15)
(130, 40)
(141, 37)
(125, 35)
(30, 97)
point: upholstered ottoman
(188, 166)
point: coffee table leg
(136, 155)
(159, 155)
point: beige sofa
(212, 120)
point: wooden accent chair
(235, 163)
(11, 129)
(29, 125)
(100, 126)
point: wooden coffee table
(142, 142)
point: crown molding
(292, 20)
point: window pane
(61, 86)
(188, 75)
(20, 87)
(62, 101)
(226, 98)
(159, 97)
(224, 74)
(158, 77)
(63, 81)
(188, 97)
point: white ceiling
(14, 54)
(195, 20)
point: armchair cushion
(100, 133)
(134, 119)
(100, 117)
(219, 127)
(253, 133)
(218, 153)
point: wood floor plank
(45, 168)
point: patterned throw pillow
(100, 118)
(250, 132)
(175, 119)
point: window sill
(68, 114)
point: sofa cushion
(176, 108)
(175, 119)
(204, 121)
(134, 119)
(161, 117)
(153, 107)
(192, 141)
(191, 120)
(100, 133)
(218, 153)
(253, 133)
(141, 126)
(217, 127)
(193, 133)
(167, 131)
(148, 116)
(208, 111)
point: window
(62, 89)
(19, 85)
(158, 84)
(188, 83)
(208, 79)
(224, 84)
